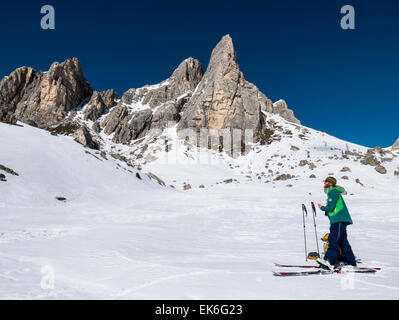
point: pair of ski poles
(305, 212)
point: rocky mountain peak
(223, 56)
(44, 99)
(69, 72)
(152, 107)
(224, 99)
(187, 75)
(395, 146)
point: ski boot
(325, 264)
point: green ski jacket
(336, 209)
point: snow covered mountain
(190, 188)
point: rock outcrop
(280, 107)
(380, 169)
(44, 99)
(152, 107)
(156, 178)
(8, 170)
(395, 146)
(83, 136)
(100, 103)
(12, 89)
(370, 159)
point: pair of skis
(317, 270)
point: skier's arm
(331, 201)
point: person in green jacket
(340, 218)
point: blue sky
(343, 82)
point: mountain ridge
(219, 109)
(63, 87)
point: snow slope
(119, 237)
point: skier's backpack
(325, 247)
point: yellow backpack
(325, 240)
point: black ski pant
(338, 239)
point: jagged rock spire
(224, 99)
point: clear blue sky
(343, 82)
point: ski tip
(280, 274)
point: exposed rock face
(125, 125)
(44, 99)
(280, 107)
(152, 107)
(169, 113)
(82, 135)
(114, 118)
(100, 102)
(61, 89)
(154, 177)
(224, 99)
(12, 89)
(132, 126)
(8, 170)
(395, 146)
(370, 159)
(183, 80)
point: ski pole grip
(314, 209)
(304, 209)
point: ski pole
(304, 211)
(315, 229)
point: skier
(340, 218)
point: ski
(300, 273)
(318, 267)
(295, 266)
(324, 272)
